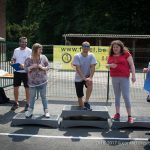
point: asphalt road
(60, 93)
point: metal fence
(61, 83)
(61, 86)
(141, 57)
(4, 65)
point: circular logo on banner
(66, 58)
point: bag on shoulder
(3, 97)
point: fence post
(107, 88)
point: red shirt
(123, 68)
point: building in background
(2, 19)
(2, 30)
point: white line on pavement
(75, 137)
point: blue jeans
(33, 91)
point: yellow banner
(63, 56)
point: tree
(45, 21)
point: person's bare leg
(80, 101)
(16, 93)
(27, 94)
(88, 93)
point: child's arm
(132, 67)
(145, 70)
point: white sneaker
(46, 113)
(29, 113)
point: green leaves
(45, 21)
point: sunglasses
(86, 46)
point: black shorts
(19, 78)
(79, 88)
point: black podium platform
(73, 116)
(37, 119)
(139, 122)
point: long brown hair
(119, 43)
(35, 48)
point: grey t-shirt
(84, 63)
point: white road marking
(75, 137)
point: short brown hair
(85, 44)
(22, 38)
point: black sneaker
(83, 108)
(26, 107)
(87, 105)
(148, 98)
(15, 106)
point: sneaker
(148, 98)
(87, 105)
(82, 108)
(26, 107)
(116, 116)
(15, 106)
(130, 120)
(46, 113)
(29, 113)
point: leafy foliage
(45, 21)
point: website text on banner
(63, 55)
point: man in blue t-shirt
(84, 63)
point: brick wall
(2, 19)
